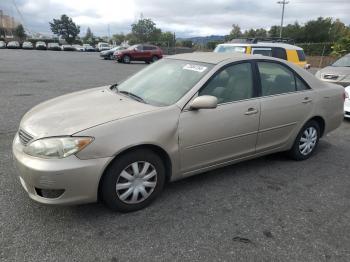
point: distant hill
(203, 40)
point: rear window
(301, 55)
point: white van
(101, 46)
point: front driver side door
(209, 137)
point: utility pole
(283, 3)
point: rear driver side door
(286, 103)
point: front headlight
(57, 147)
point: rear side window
(301, 55)
(275, 79)
(262, 51)
(145, 47)
(279, 52)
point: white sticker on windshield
(197, 68)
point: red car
(147, 53)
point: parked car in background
(142, 52)
(337, 73)
(27, 45)
(181, 116)
(40, 45)
(2, 44)
(13, 45)
(54, 47)
(79, 48)
(109, 54)
(101, 46)
(67, 48)
(347, 103)
(88, 48)
(267, 47)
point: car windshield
(229, 49)
(342, 62)
(164, 82)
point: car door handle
(251, 111)
(307, 100)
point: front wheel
(306, 142)
(133, 181)
(126, 59)
(155, 59)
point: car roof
(265, 44)
(215, 58)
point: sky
(184, 17)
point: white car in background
(79, 48)
(347, 102)
(13, 45)
(2, 44)
(101, 46)
(27, 45)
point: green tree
(318, 30)
(167, 38)
(212, 44)
(186, 43)
(342, 46)
(118, 38)
(19, 32)
(89, 37)
(274, 31)
(145, 30)
(66, 28)
(235, 32)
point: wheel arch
(154, 148)
(322, 123)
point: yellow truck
(282, 50)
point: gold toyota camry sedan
(181, 116)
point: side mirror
(204, 102)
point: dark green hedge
(316, 49)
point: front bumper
(77, 179)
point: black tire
(296, 152)
(126, 59)
(147, 62)
(108, 190)
(155, 58)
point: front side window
(165, 82)
(232, 83)
(275, 79)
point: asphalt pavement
(267, 209)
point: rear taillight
(345, 95)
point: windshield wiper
(133, 96)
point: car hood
(69, 114)
(335, 70)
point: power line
(283, 3)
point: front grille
(24, 137)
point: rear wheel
(133, 181)
(126, 59)
(306, 142)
